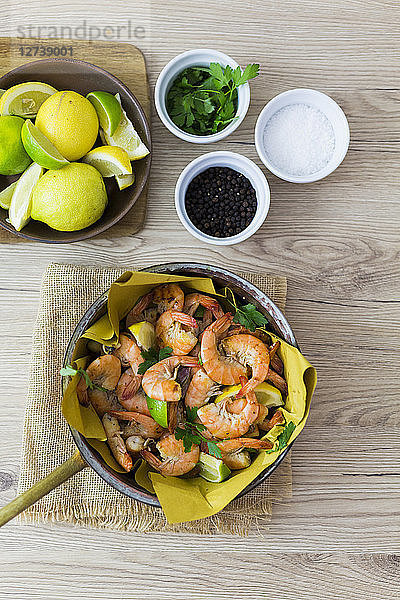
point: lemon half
(25, 99)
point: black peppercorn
(221, 202)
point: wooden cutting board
(125, 61)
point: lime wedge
(2, 92)
(109, 160)
(25, 99)
(108, 110)
(144, 333)
(158, 410)
(267, 394)
(21, 201)
(125, 181)
(6, 195)
(126, 137)
(40, 148)
(212, 469)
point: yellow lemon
(109, 160)
(70, 198)
(70, 122)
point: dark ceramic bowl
(83, 77)
(125, 483)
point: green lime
(13, 157)
(158, 410)
(126, 137)
(145, 334)
(40, 149)
(21, 201)
(70, 198)
(108, 110)
(212, 469)
(6, 195)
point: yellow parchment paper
(183, 499)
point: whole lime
(13, 158)
(70, 198)
(70, 122)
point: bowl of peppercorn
(222, 198)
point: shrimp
(116, 443)
(170, 331)
(276, 419)
(251, 351)
(159, 381)
(222, 423)
(175, 461)
(128, 352)
(128, 395)
(234, 454)
(103, 401)
(193, 301)
(200, 389)
(135, 444)
(137, 313)
(139, 424)
(222, 369)
(168, 297)
(104, 371)
(277, 381)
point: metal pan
(86, 455)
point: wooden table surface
(337, 241)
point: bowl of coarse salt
(302, 135)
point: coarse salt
(299, 140)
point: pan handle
(72, 466)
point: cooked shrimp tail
(174, 460)
(159, 382)
(116, 443)
(145, 426)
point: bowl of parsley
(203, 95)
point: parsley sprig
(153, 356)
(69, 371)
(191, 434)
(250, 317)
(203, 101)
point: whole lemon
(69, 198)
(13, 158)
(70, 122)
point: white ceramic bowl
(328, 107)
(202, 58)
(238, 163)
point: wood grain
(337, 241)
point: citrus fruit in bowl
(78, 82)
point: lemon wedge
(266, 394)
(108, 110)
(25, 99)
(40, 148)
(212, 469)
(6, 195)
(109, 160)
(144, 334)
(125, 181)
(126, 137)
(21, 201)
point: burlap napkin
(67, 291)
